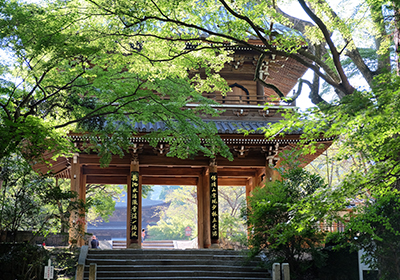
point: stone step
(119, 244)
(182, 278)
(193, 267)
(180, 273)
(170, 252)
(158, 244)
(172, 256)
(158, 241)
(164, 264)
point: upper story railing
(240, 99)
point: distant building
(116, 227)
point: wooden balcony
(233, 98)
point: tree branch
(109, 104)
(348, 89)
(29, 95)
(298, 24)
(256, 28)
(64, 87)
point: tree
(278, 226)
(100, 202)
(166, 190)
(334, 168)
(232, 227)
(342, 48)
(32, 202)
(181, 213)
(376, 228)
(322, 44)
(65, 75)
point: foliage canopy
(273, 215)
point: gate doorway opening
(106, 217)
(169, 217)
(232, 224)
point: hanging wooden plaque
(135, 204)
(214, 205)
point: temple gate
(254, 156)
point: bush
(22, 261)
(275, 225)
(341, 262)
(376, 230)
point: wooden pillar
(206, 208)
(213, 200)
(249, 188)
(77, 218)
(82, 212)
(200, 211)
(271, 174)
(134, 209)
(128, 208)
(258, 179)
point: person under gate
(94, 243)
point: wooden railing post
(93, 271)
(276, 271)
(280, 272)
(285, 271)
(81, 263)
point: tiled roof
(233, 127)
(223, 126)
(149, 127)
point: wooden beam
(106, 180)
(177, 181)
(110, 171)
(169, 181)
(249, 161)
(151, 160)
(53, 166)
(232, 181)
(113, 171)
(255, 161)
(171, 171)
(160, 175)
(244, 173)
(147, 171)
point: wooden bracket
(241, 151)
(271, 154)
(161, 150)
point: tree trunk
(396, 36)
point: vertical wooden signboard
(135, 204)
(214, 205)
